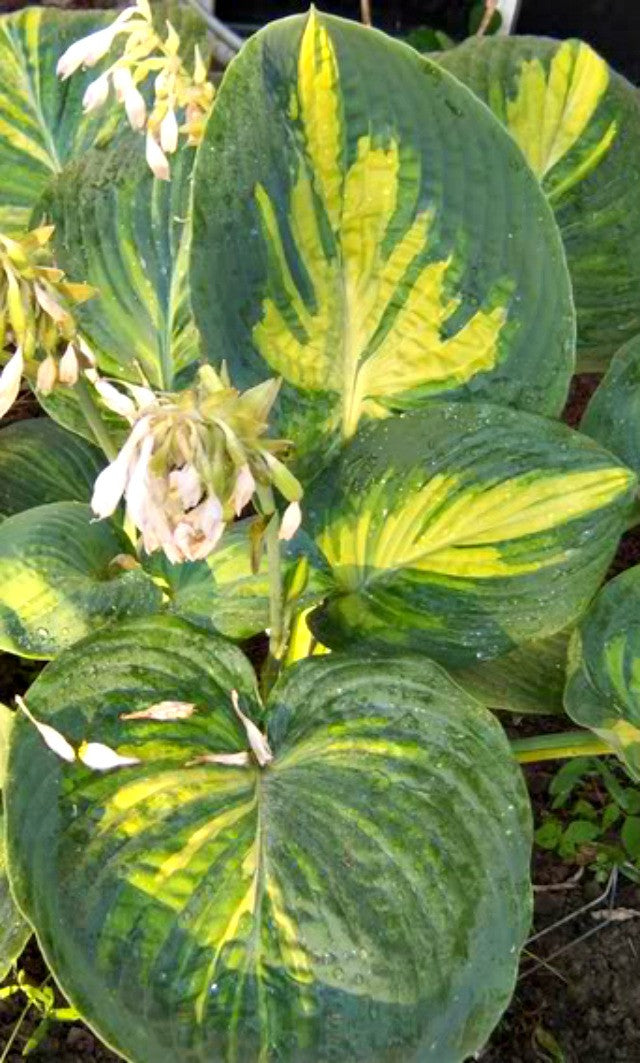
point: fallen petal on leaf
(163, 710)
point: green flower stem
(559, 746)
(94, 420)
(277, 626)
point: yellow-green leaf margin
(578, 125)
(603, 687)
(465, 530)
(346, 237)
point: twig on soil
(608, 894)
(556, 887)
(616, 915)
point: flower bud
(68, 368)
(157, 160)
(290, 521)
(47, 375)
(169, 132)
(10, 378)
(96, 94)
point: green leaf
(14, 932)
(222, 593)
(578, 124)
(464, 530)
(364, 897)
(42, 124)
(567, 777)
(529, 679)
(345, 237)
(125, 232)
(549, 834)
(603, 688)
(610, 816)
(613, 414)
(630, 835)
(579, 832)
(56, 579)
(40, 463)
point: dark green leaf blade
(613, 414)
(41, 462)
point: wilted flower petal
(257, 741)
(52, 738)
(102, 758)
(10, 378)
(233, 760)
(186, 481)
(291, 520)
(157, 159)
(163, 710)
(56, 312)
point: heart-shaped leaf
(529, 679)
(126, 233)
(613, 414)
(465, 530)
(14, 932)
(578, 124)
(58, 581)
(346, 237)
(363, 897)
(603, 688)
(42, 124)
(40, 463)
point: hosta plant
(314, 401)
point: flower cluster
(192, 462)
(36, 316)
(176, 91)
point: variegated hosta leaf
(347, 237)
(40, 463)
(578, 124)
(465, 530)
(603, 688)
(127, 233)
(529, 679)
(223, 593)
(14, 931)
(42, 124)
(613, 414)
(57, 580)
(363, 897)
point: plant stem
(365, 12)
(559, 746)
(94, 420)
(15, 1032)
(276, 610)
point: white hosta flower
(112, 482)
(86, 52)
(10, 378)
(115, 400)
(156, 159)
(244, 489)
(169, 132)
(291, 519)
(186, 482)
(128, 93)
(68, 369)
(96, 94)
